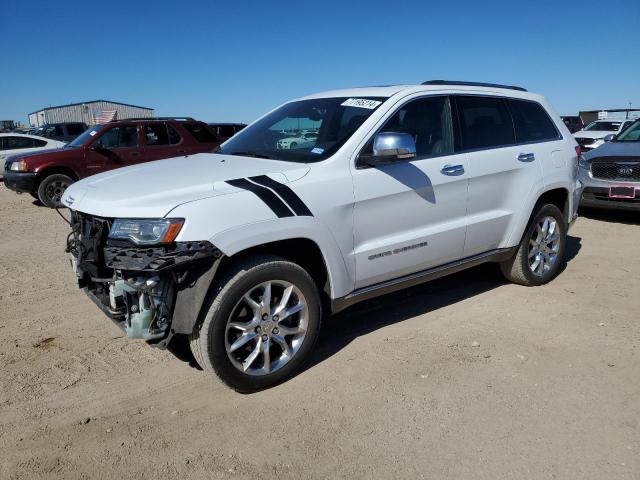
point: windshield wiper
(249, 153)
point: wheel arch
(557, 195)
(303, 251)
(291, 238)
(53, 170)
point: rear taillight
(578, 150)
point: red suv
(120, 143)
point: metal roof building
(86, 112)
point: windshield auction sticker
(361, 103)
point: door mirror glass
(609, 137)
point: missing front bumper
(139, 288)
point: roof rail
(472, 84)
(153, 118)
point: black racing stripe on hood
(286, 193)
(270, 199)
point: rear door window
(156, 134)
(531, 122)
(174, 136)
(485, 122)
(200, 132)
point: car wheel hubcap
(544, 246)
(266, 327)
(55, 190)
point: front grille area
(622, 170)
(87, 241)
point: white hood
(153, 189)
(592, 134)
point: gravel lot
(464, 378)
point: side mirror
(389, 147)
(609, 137)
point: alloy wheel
(266, 327)
(55, 190)
(544, 246)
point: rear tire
(52, 188)
(251, 343)
(541, 250)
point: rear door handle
(182, 150)
(526, 157)
(452, 170)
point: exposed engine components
(146, 304)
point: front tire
(541, 250)
(261, 324)
(52, 188)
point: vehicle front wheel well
(301, 251)
(44, 173)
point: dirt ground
(464, 378)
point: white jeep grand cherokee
(243, 249)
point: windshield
(631, 133)
(84, 136)
(604, 126)
(303, 131)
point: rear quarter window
(201, 133)
(16, 143)
(531, 121)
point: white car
(244, 250)
(304, 140)
(17, 143)
(593, 135)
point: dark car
(226, 130)
(63, 132)
(573, 123)
(611, 173)
(119, 143)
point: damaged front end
(141, 288)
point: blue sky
(234, 60)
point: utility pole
(629, 109)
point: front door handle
(135, 154)
(452, 170)
(182, 150)
(526, 157)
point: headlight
(19, 166)
(150, 231)
(583, 162)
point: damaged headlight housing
(146, 231)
